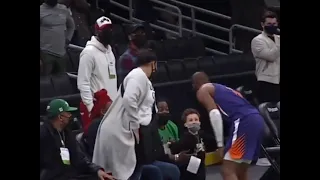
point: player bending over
(246, 130)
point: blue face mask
(271, 29)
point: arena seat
(119, 35)
(271, 115)
(59, 86)
(191, 66)
(46, 87)
(248, 94)
(172, 49)
(193, 47)
(162, 74)
(206, 65)
(74, 56)
(62, 85)
(176, 70)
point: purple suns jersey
(231, 103)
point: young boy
(192, 142)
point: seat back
(278, 105)
(176, 70)
(46, 87)
(191, 66)
(119, 35)
(271, 115)
(62, 84)
(162, 74)
(74, 57)
(206, 65)
(248, 94)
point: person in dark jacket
(60, 155)
(102, 106)
(192, 142)
(128, 60)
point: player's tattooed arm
(205, 98)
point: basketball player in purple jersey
(247, 125)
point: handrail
(173, 7)
(201, 9)
(238, 26)
(131, 18)
(72, 46)
(196, 20)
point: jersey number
(235, 92)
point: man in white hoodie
(97, 69)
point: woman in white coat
(118, 132)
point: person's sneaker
(263, 162)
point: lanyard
(62, 138)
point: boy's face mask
(193, 127)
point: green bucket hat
(57, 106)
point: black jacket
(150, 147)
(51, 165)
(188, 142)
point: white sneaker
(263, 162)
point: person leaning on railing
(266, 51)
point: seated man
(60, 156)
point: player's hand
(220, 152)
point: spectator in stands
(128, 60)
(97, 70)
(192, 142)
(168, 130)
(56, 31)
(266, 51)
(60, 158)
(101, 104)
(79, 10)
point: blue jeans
(158, 170)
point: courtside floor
(255, 172)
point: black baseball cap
(134, 27)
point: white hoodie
(97, 70)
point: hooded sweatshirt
(97, 70)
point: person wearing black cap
(60, 156)
(128, 60)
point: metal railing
(131, 18)
(238, 26)
(161, 25)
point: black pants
(53, 64)
(268, 92)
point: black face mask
(163, 118)
(51, 2)
(139, 40)
(105, 37)
(271, 29)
